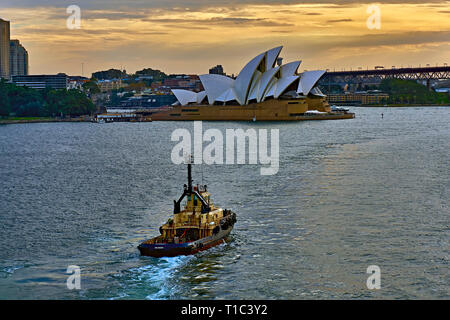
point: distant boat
(339, 109)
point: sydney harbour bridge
(362, 78)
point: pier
(122, 117)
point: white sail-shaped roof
(200, 96)
(290, 69)
(270, 92)
(215, 85)
(272, 56)
(317, 92)
(254, 87)
(258, 80)
(185, 96)
(243, 80)
(253, 94)
(228, 95)
(283, 84)
(308, 80)
(265, 81)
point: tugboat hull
(176, 249)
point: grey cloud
(148, 16)
(404, 38)
(228, 21)
(339, 20)
(286, 11)
(185, 4)
(325, 43)
(97, 14)
(85, 32)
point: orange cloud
(190, 40)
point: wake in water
(153, 281)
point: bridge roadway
(376, 75)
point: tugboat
(199, 226)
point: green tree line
(28, 102)
(411, 92)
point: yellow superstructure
(191, 221)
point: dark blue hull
(186, 248)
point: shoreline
(404, 105)
(89, 119)
(42, 120)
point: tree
(69, 102)
(411, 92)
(109, 74)
(30, 109)
(5, 106)
(91, 86)
(157, 75)
(29, 102)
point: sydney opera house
(263, 91)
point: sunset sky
(191, 36)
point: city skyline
(191, 37)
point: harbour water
(348, 194)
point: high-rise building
(58, 81)
(4, 49)
(18, 59)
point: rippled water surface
(349, 194)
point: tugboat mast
(189, 177)
(188, 190)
